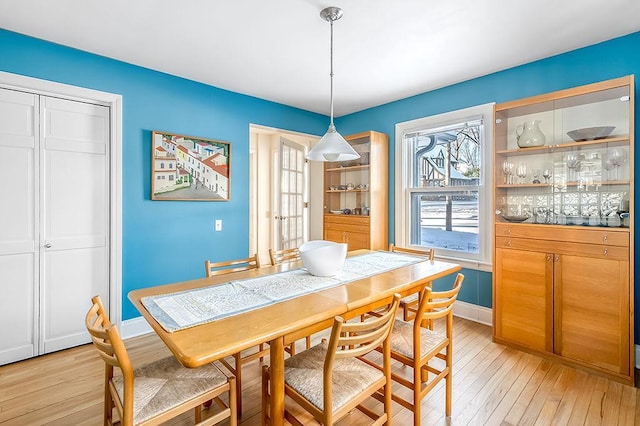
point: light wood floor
(492, 385)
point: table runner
(180, 310)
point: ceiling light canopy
(332, 146)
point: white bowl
(323, 258)
(590, 133)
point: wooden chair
(415, 346)
(227, 267)
(409, 304)
(281, 256)
(330, 379)
(156, 392)
(285, 255)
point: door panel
(523, 292)
(591, 324)
(78, 274)
(18, 225)
(17, 307)
(75, 221)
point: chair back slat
(438, 304)
(285, 255)
(428, 253)
(228, 266)
(360, 338)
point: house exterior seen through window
(443, 196)
(444, 201)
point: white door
(290, 223)
(18, 225)
(53, 220)
(74, 259)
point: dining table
(280, 322)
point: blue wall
(611, 59)
(178, 235)
(164, 241)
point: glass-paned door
(290, 229)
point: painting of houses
(189, 168)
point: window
(443, 191)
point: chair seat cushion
(303, 373)
(402, 339)
(165, 384)
(409, 299)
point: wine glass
(573, 161)
(617, 158)
(546, 174)
(507, 169)
(521, 171)
(536, 175)
(608, 166)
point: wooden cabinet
(355, 195)
(562, 282)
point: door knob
(48, 245)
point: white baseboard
(134, 327)
(473, 312)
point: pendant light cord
(331, 75)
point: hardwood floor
(492, 385)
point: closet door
(18, 225)
(75, 199)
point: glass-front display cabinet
(563, 256)
(566, 158)
(355, 198)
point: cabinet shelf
(552, 185)
(564, 147)
(348, 168)
(346, 190)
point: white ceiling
(279, 50)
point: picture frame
(189, 168)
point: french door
(54, 220)
(290, 221)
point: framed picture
(189, 168)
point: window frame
(403, 183)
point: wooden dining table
(284, 322)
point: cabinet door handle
(48, 245)
(548, 258)
(605, 252)
(508, 244)
(557, 258)
(605, 238)
(507, 231)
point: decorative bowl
(515, 218)
(323, 258)
(590, 133)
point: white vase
(529, 134)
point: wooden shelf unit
(567, 291)
(367, 229)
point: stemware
(617, 158)
(521, 171)
(507, 170)
(536, 175)
(573, 161)
(607, 164)
(546, 174)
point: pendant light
(332, 146)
